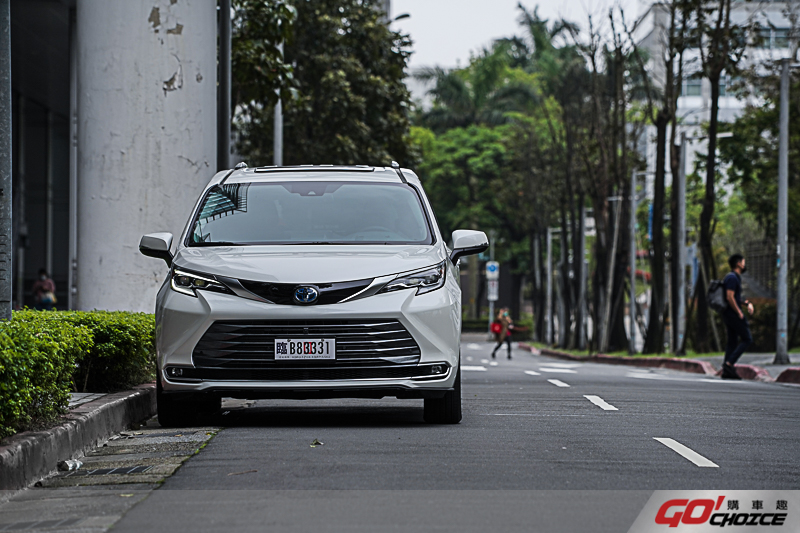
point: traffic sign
(494, 289)
(492, 270)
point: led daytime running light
(187, 283)
(426, 280)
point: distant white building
(771, 42)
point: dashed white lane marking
(484, 361)
(687, 453)
(473, 346)
(494, 363)
(469, 368)
(562, 365)
(558, 383)
(532, 373)
(557, 370)
(599, 402)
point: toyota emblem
(306, 294)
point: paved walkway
(80, 398)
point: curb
(30, 456)
(790, 375)
(684, 365)
(752, 373)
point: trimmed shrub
(122, 353)
(38, 352)
(46, 354)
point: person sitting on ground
(733, 316)
(44, 292)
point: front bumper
(432, 319)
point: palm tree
(482, 93)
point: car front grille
(250, 344)
(283, 293)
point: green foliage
(260, 71)
(45, 355)
(38, 353)
(122, 353)
(349, 104)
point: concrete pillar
(146, 138)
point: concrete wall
(146, 137)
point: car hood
(308, 264)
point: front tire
(172, 412)
(183, 409)
(445, 410)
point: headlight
(187, 283)
(424, 281)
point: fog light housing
(438, 369)
(174, 372)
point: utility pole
(6, 244)
(224, 90)
(781, 356)
(277, 127)
(549, 298)
(680, 257)
(632, 265)
(492, 237)
(581, 325)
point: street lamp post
(549, 296)
(5, 160)
(224, 90)
(781, 356)
(680, 256)
(632, 259)
(277, 127)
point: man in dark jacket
(739, 337)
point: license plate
(304, 349)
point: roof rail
(396, 168)
(316, 168)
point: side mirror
(157, 245)
(468, 242)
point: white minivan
(310, 282)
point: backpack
(716, 296)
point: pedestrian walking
(504, 333)
(44, 292)
(739, 336)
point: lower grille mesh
(250, 344)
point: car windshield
(305, 212)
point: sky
(446, 31)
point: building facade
(114, 135)
(769, 41)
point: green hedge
(46, 354)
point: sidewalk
(761, 360)
(92, 418)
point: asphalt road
(545, 445)
(532, 425)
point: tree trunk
(702, 338)
(654, 342)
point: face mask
(42, 277)
(505, 314)
(744, 269)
